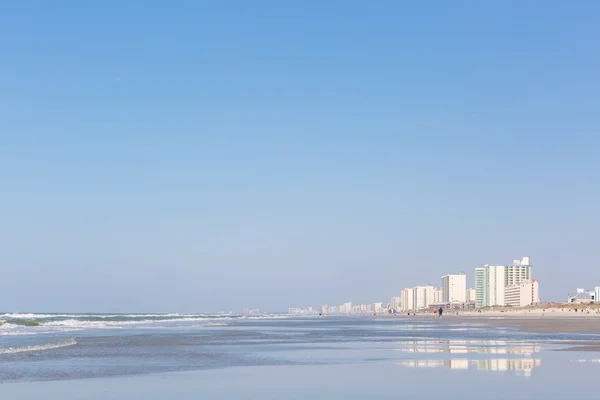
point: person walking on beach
(435, 313)
(440, 312)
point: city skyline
(511, 284)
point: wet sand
(536, 323)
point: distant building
(454, 288)
(597, 293)
(582, 296)
(407, 301)
(522, 294)
(396, 303)
(489, 286)
(519, 271)
(470, 295)
(438, 295)
(491, 281)
(423, 297)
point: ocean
(229, 356)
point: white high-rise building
(423, 297)
(438, 296)
(492, 280)
(489, 286)
(522, 294)
(519, 271)
(407, 299)
(597, 292)
(346, 308)
(454, 288)
(396, 303)
(470, 295)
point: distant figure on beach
(440, 311)
(435, 313)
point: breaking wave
(42, 347)
(22, 322)
(29, 323)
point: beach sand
(535, 321)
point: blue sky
(206, 156)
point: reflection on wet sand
(522, 366)
(468, 346)
(450, 364)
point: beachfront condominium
(407, 300)
(417, 298)
(519, 271)
(489, 286)
(454, 288)
(597, 293)
(492, 280)
(470, 295)
(522, 294)
(438, 296)
(396, 303)
(423, 297)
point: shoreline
(526, 322)
(530, 322)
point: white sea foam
(78, 323)
(41, 347)
(45, 316)
(19, 323)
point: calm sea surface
(193, 356)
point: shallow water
(293, 358)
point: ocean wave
(23, 322)
(42, 347)
(155, 316)
(123, 323)
(267, 316)
(30, 323)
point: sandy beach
(534, 321)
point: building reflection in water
(522, 366)
(468, 346)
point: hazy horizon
(203, 156)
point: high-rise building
(492, 280)
(489, 286)
(597, 293)
(438, 296)
(522, 294)
(408, 303)
(480, 287)
(422, 297)
(396, 303)
(346, 308)
(470, 295)
(454, 288)
(519, 271)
